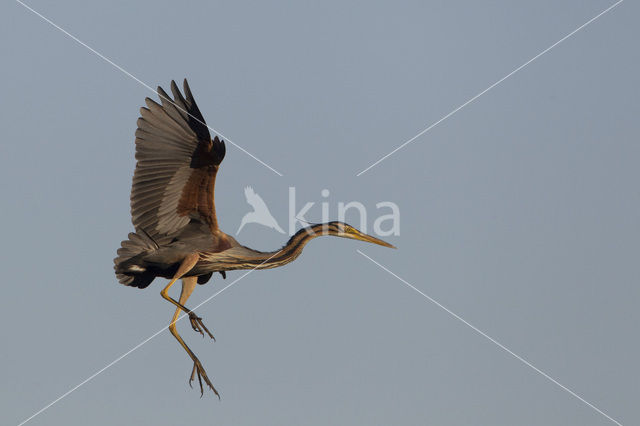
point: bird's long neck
(291, 250)
(241, 257)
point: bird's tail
(129, 269)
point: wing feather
(177, 162)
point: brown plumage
(173, 212)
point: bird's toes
(201, 387)
(193, 374)
(198, 326)
(207, 331)
(197, 329)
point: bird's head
(344, 230)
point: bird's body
(173, 212)
(163, 259)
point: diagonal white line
(491, 339)
(128, 74)
(491, 87)
(136, 347)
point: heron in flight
(173, 212)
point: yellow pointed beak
(371, 239)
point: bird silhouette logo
(260, 213)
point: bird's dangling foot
(198, 369)
(198, 325)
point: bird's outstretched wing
(176, 166)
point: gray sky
(519, 213)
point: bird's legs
(188, 284)
(197, 365)
(187, 288)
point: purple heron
(172, 208)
